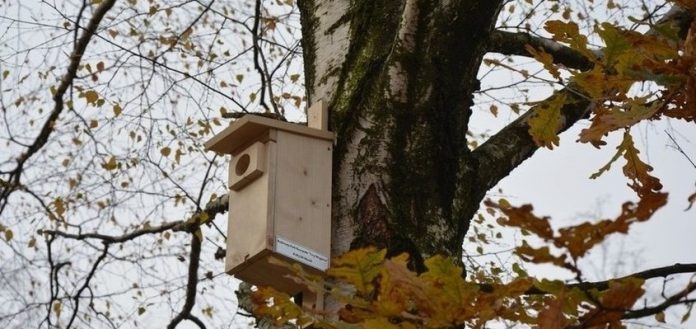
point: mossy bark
(400, 80)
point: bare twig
(48, 127)
(213, 208)
(89, 277)
(680, 149)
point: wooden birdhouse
(279, 198)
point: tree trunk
(399, 77)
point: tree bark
(399, 77)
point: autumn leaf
(607, 120)
(620, 296)
(165, 151)
(452, 298)
(692, 200)
(117, 110)
(569, 33)
(91, 96)
(523, 218)
(541, 255)
(545, 121)
(551, 317)
(59, 207)
(384, 323)
(8, 234)
(57, 308)
(544, 58)
(110, 165)
(399, 288)
(635, 169)
(359, 268)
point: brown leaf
(551, 317)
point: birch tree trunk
(399, 77)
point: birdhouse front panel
(249, 206)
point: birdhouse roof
(252, 126)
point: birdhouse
(279, 198)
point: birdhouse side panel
(303, 198)
(249, 225)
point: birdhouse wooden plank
(279, 199)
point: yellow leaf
(379, 323)
(165, 151)
(359, 268)
(569, 32)
(660, 317)
(494, 110)
(60, 206)
(93, 124)
(91, 96)
(57, 307)
(545, 121)
(117, 110)
(8, 234)
(110, 165)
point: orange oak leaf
(616, 300)
(609, 119)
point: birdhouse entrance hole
(279, 199)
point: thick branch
(514, 43)
(512, 145)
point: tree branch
(191, 285)
(660, 272)
(514, 43)
(89, 277)
(678, 298)
(512, 145)
(13, 179)
(190, 224)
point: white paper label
(301, 254)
